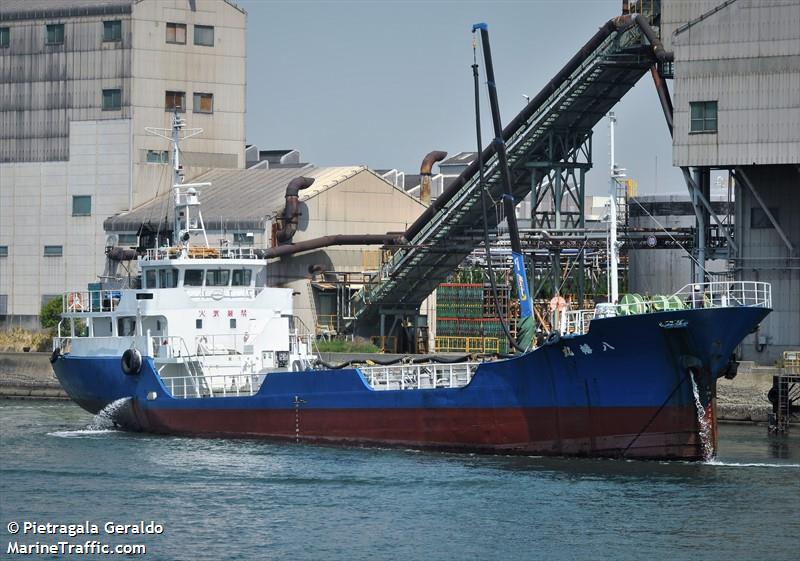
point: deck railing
(90, 301)
(215, 385)
(420, 376)
(721, 294)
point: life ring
(131, 362)
(74, 301)
(56, 355)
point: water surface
(243, 499)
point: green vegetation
(357, 345)
(50, 314)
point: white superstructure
(203, 314)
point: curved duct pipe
(611, 26)
(661, 54)
(425, 173)
(121, 254)
(337, 239)
(290, 212)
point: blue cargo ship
(201, 346)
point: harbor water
(243, 499)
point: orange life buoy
(74, 301)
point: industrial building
(737, 108)
(659, 242)
(80, 80)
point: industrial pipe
(613, 25)
(290, 212)
(337, 239)
(121, 254)
(661, 54)
(425, 173)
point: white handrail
(420, 376)
(717, 294)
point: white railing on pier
(420, 376)
(720, 294)
(215, 385)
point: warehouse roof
(238, 198)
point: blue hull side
(625, 382)
(94, 382)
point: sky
(382, 83)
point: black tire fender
(56, 355)
(131, 362)
(553, 338)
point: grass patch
(15, 340)
(358, 345)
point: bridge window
(168, 278)
(150, 279)
(241, 277)
(193, 277)
(704, 116)
(233, 323)
(217, 277)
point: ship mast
(613, 247)
(185, 196)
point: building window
(112, 31)
(243, 238)
(759, 219)
(157, 157)
(3, 304)
(175, 101)
(55, 34)
(53, 250)
(128, 240)
(176, 33)
(5, 37)
(203, 103)
(204, 35)
(81, 205)
(704, 116)
(3, 251)
(112, 100)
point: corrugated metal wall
(44, 87)
(746, 56)
(764, 257)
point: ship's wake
(112, 418)
(718, 463)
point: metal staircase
(593, 81)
